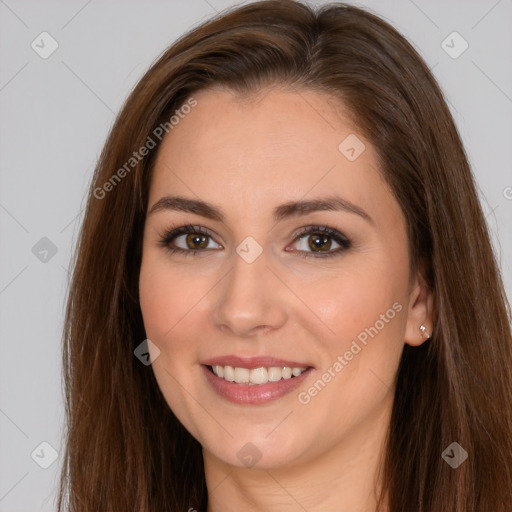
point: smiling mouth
(256, 376)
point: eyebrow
(281, 212)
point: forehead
(247, 153)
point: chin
(252, 449)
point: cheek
(158, 303)
(166, 302)
(357, 300)
(362, 353)
(166, 298)
(364, 307)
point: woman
(285, 295)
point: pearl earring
(423, 330)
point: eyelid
(172, 233)
(333, 233)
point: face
(306, 308)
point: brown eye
(188, 240)
(196, 241)
(317, 241)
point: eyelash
(342, 240)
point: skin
(247, 156)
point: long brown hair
(124, 449)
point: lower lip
(255, 394)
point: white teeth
(241, 375)
(286, 372)
(259, 375)
(229, 373)
(274, 374)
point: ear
(421, 301)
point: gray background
(55, 115)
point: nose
(250, 300)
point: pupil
(197, 240)
(319, 242)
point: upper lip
(253, 362)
